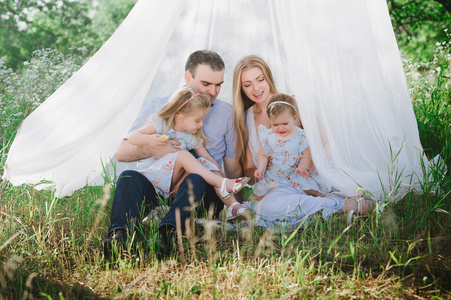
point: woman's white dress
(285, 208)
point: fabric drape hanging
(348, 78)
(339, 58)
(65, 141)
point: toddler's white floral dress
(285, 155)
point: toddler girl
(288, 148)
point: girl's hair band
(184, 103)
(280, 102)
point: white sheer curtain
(65, 141)
(346, 73)
(339, 58)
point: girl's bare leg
(228, 201)
(187, 162)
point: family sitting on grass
(260, 138)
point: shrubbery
(23, 90)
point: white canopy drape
(339, 58)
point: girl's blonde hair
(185, 101)
(274, 110)
(241, 102)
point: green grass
(403, 254)
(50, 247)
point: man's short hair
(206, 57)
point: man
(204, 71)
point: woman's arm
(262, 162)
(249, 168)
(232, 167)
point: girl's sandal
(242, 214)
(237, 186)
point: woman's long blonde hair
(241, 102)
(183, 102)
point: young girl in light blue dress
(286, 144)
(181, 120)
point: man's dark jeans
(134, 190)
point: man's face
(206, 80)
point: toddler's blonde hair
(278, 108)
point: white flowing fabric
(339, 58)
(352, 92)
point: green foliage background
(419, 25)
(65, 25)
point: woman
(253, 85)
